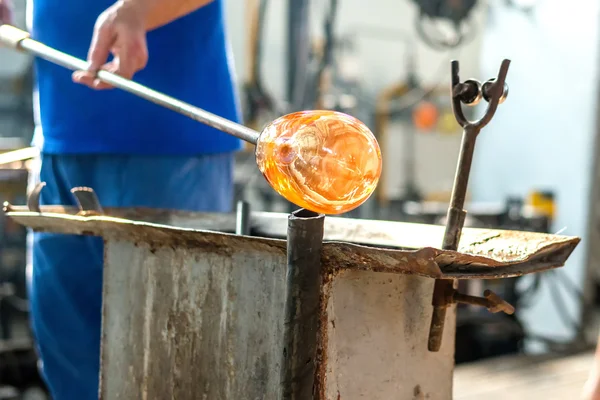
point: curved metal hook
(87, 200)
(33, 201)
(496, 91)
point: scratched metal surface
(192, 323)
(357, 244)
(376, 339)
(207, 323)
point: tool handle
(20, 40)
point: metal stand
(302, 305)
(469, 92)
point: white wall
(542, 137)
(382, 60)
(11, 62)
(13, 65)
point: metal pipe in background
(242, 218)
(298, 52)
(20, 40)
(302, 303)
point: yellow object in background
(447, 124)
(543, 203)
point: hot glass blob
(324, 161)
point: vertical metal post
(298, 52)
(242, 218)
(443, 291)
(302, 303)
(494, 91)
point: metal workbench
(300, 307)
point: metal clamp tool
(469, 92)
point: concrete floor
(523, 378)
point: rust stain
(418, 393)
(321, 370)
(338, 255)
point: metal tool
(469, 92)
(19, 155)
(20, 40)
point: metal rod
(456, 213)
(24, 154)
(302, 303)
(242, 218)
(20, 40)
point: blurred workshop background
(387, 63)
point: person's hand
(6, 12)
(591, 388)
(590, 391)
(120, 31)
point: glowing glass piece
(324, 161)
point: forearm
(162, 12)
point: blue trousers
(65, 281)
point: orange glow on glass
(324, 161)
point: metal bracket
(490, 300)
(469, 92)
(87, 200)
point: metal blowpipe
(20, 40)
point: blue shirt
(189, 59)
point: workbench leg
(301, 329)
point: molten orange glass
(324, 161)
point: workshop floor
(523, 378)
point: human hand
(6, 12)
(121, 31)
(591, 388)
(590, 393)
